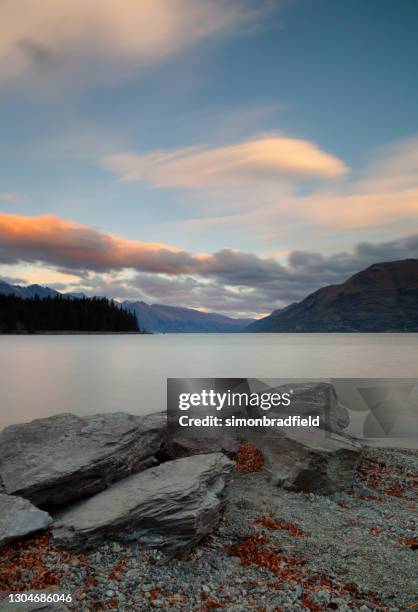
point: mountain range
(155, 318)
(382, 298)
(34, 291)
(173, 319)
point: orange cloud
(69, 244)
(266, 158)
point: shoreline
(272, 549)
(78, 333)
(207, 333)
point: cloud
(381, 197)
(227, 281)
(72, 246)
(66, 244)
(43, 34)
(356, 210)
(253, 188)
(12, 280)
(253, 294)
(335, 268)
(386, 192)
(63, 243)
(270, 157)
(394, 169)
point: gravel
(354, 550)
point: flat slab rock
(55, 460)
(19, 518)
(311, 460)
(170, 507)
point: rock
(177, 447)
(19, 518)
(310, 399)
(170, 507)
(307, 399)
(311, 460)
(61, 458)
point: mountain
(26, 292)
(382, 298)
(160, 318)
(34, 291)
(151, 317)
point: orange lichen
(375, 530)
(411, 542)
(249, 458)
(269, 522)
(256, 550)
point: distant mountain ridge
(381, 298)
(34, 291)
(156, 318)
(159, 318)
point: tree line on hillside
(59, 314)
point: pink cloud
(60, 242)
(270, 157)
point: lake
(46, 374)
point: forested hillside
(56, 314)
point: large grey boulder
(311, 460)
(58, 459)
(177, 446)
(308, 399)
(19, 518)
(169, 507)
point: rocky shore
(113, 514)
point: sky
(226, 155)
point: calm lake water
(45, 375)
